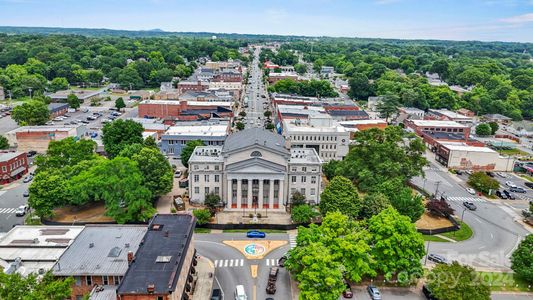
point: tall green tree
(73, 101)
(408, 204)
(373, 204)
(456, 282)
(360, 88)
(303, 213)
(49, 189)
(16, 287)
(396, 245)
(187, 151)
(522, 259)
(58, 83)
(156, 170)
(483, 183)
(30, 113)
(65, 153)
(388, 106)
(493, 127)
(340, 195)
(4, 143)
(119, 103)
(483, 129)
(120, 133)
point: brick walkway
(236, 217)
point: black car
(470, 205)
(31, 153)
(501, 195)
(216, 295)
(490, 174)
(509, 195)
(517, 189)
(281, 261)
(439, 259)
(529, 184)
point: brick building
(432, 131)
(197, 86)
(163, 268)
(99, 256)
(228, 76)
(57, 109)
(184, 110)
(13, 165)
(37, 138)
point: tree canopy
(522, 259)
(309, 88)
(187, 151)
(456, 282)
(340, 195)
(33, 112)
(119, 134)
(483, 183)
(16, 287)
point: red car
(347, 292)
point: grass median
(463, 234)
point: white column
(250, 193)
(239, 193)
(271, 194)
(229, 192)
(280, 194)
(260, 195)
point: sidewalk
(204, 282)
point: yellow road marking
(254, 292)
(253, 269)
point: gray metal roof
(90, 252)
(254, 136)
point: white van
(239, 293)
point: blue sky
(488, 20)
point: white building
(455, 155)
(322, 133)
(254, 169)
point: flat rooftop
(189, 103)
(52, 128)
(207, 154)
(100, 250)
(40, 236)
(5, 156)
(304, 156)
(160, 256)
(291, 127)
(198, 130)
(437, 123)
(450, 114)
(362, 122)
(463, 147)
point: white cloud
(520, 19)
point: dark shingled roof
(172, 239)
(334, 112)
(259, 136)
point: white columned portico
(280, 193)
(271, 194)
(250, 182)
(229, 192)
(260, 194)
(239, 193)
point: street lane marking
(253, 270)
(225, 263)
(231, 263)
(465, 199)
(478, 220)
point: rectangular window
(217, 167)
(304, 179)
(105, 280)
(304, 169)
(4, 169)
(217, 178)
(293, 179)
(196, 190)
(206, 178)
(116, 280)
(217, 190)
(313, 179)
(312, 191)
(89, 280)
(294, 169)
(196, 178)
(206, 190)
(78, 280)
(207, 167)
(302, 191)
(196, 167)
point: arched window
(256, 154)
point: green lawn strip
(504, 282)
(526, 177)
(433, 238)
(202, 230)
(460, 235)
(512, 152)
(246, 230)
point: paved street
(253, 93)
(232, 268)
(10, 199)
(496, 234)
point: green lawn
(512, 152)
(202, 230)
(504, 282)
(433, 238)
(526, 177)
(460, 235)
(246, 230)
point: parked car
(28, 178)
(510, 184)
(58, 119)
(490, 174)
(177, 174)
(529, 184)
(21, 211)
(255, 234)
(458, 172)
(469, 172)
(347, 292)
(517, 189)
(439, 259)
(469, 205)
(281, 260)
(26, 194)
(509, 195)
(427, 293)
(502, 175)
(31, 153)
(49, 123)
(471, 191)
(373, 292)
(91, 118)
(216, 295)
(501, 195)
(84, 122)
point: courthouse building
(254, 169)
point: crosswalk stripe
(225, 263)
(469, 199)
(216, 263)
(268, 262)
(231, 262)
(7, 210)
(242, 262)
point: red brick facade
(83, 285)
(13, 167)
(198, 86)
(173, 109)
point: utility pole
(437, 183)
